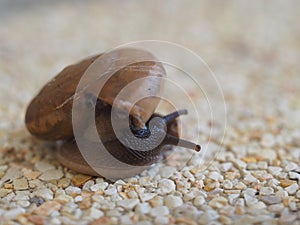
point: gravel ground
(253, 49)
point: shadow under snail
(49, 115)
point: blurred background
(252, 47)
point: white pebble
(172, 201)
(167, 171)
(227, 184)
(266, 191)
(95, 213)
(146, 196)
(290, 166)
(128, 203)
(250, 179)
(13, 213)
(262, 165)
(143, 208)
(199, 201)
(292, 189)
(44, 193)
(159, 211)
(166, 186)
(298, 194)
(208, 216)
(73, 190)
(87, 186)
(268, 140)
(43, 166)
(214, 176)
(225, 166)
(78, 198)
(250, 200)
(111, 190)
(282, 194)
(294, 175)
(274, 170)
(161, 220)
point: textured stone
(47, 208)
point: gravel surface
(254, 51)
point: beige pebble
(79, 179)
(156, 201)
(240, 186)
(43, 166)
(52, 174)
(184, 220)
(47, 208)
(286, 183)
(44, 193)
(64, 182)
(218, 202)
(32, 174)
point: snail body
(49, 115)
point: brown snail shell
(48, 116)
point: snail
(49, 114)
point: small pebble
(20, 184)
(268, 140)
(290, 166)
(225, 166)
(208, 216)
(274, 170)
(199, 201)
(161, 220)
(79, 179)
(128, 203)
(71, 190)
(250, 179)
(250, 200)
(159, 211)
(166, 186)
(44, 193)
(218, 202)
(147, 196)
(172, 201)
(43, 166)
(270, 199)
(47, 208)
(292, 189)
(52, 174)
(95, 213)
(13, 213)
(143, 208)
(266, 191)
(214, 176)
(167, 171)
